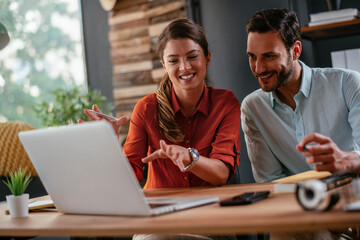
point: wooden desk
(279, 213)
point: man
(302, 118)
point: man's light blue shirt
(328, 102)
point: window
(45, 53)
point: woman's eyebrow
(189, 52)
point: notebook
(84, 170)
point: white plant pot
(18, 205)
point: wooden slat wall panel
(124, 4)
(134, 28)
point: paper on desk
(42, 205)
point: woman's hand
(115, 123)
(178, 155)
(327, 155)
(213, 171)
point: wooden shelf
(331, 30)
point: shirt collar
(273, 98)
(304, 87)
(306, 79)
(203, 105)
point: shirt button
(188, 122)
(185, 177)
(187, 141)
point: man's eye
(270, 56)
(172, 60)
(193, 56)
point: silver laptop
(84, 170)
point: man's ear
(296, 49)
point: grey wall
(97, 47)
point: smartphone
(245, 198)
(104, 115)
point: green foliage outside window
(44, 54)
(68, 106)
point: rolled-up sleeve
(226, 145)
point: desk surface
(278, 213)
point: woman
(188, 133)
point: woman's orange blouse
(213, 129)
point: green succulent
(18, 181)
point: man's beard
(282, 77)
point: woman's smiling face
(185, 62)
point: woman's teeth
(187, 76)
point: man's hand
(115, 123)
(178, 155)
(327, 155)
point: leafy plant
(18, 181)
(68, 106)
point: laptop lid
(84, 170)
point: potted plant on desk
(17, 182)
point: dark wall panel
(97, 47)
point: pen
(304, 148)
(104, 115)
(308, 144)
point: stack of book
(333, 16)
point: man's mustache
(264, 74)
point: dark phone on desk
(245, 198)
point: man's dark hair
(281, 20)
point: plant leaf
(18, 181)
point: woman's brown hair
(177, 29)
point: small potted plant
(17, 182)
